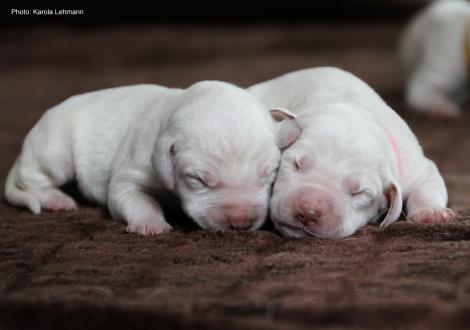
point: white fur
(433, 55)
(213, 144)
(343, 163)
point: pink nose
(313, 205)
(307, 214)
(239, 218)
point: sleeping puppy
(435, 53)
(355, 158)
(213, 145)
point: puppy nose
(240, 219)
(308, 215)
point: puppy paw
(148, 228)
(433, 216)
(56, 201)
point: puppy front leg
(427, 199)
(129, 201)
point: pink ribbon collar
(396, 150)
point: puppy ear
(288, 131)
(395, 204)
(163, 161)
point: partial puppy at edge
(435, 54)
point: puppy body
(435, 53)
(354, 158)
(212, 144)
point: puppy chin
(206, 223)
(347, 229)
(216, 225)
(290, 232)
(324, 234)
(292, 229)
(286, 225)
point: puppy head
(338, 176)
(218, 153)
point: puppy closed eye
(202, 180)
(195, 182)
(361, 197)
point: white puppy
(354, 159)
(213, 144)
(435, 53)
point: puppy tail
(18, 197)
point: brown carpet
(81, 270)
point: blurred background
(176, 44)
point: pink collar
(395, 149)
